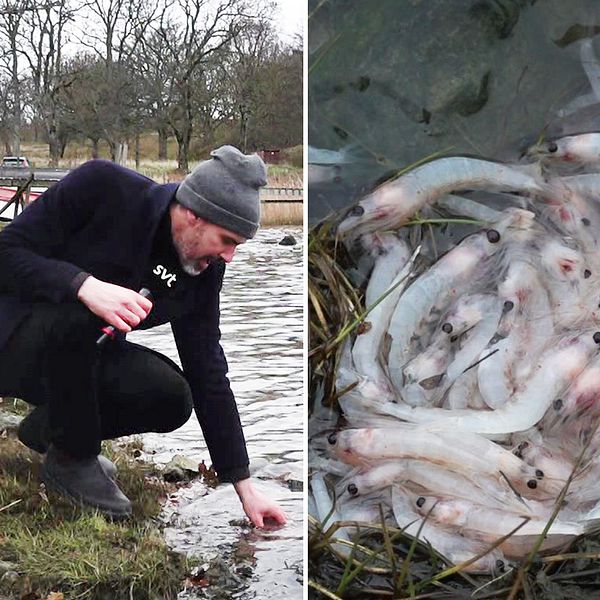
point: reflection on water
(261, 323)
(392, 85)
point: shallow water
(392, 85)
(261, 324)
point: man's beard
(189, 266)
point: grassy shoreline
(47, 545)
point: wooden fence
(282, 206)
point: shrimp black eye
(508, 305)
(587, 274)
(586, 221)
(539, 473)
(493, 236)
(552, 147)
(357, 211)
(597, 337)
(500, 565)
(453, 338)
(558, 404)
(523, 445)
(332, 438)
(532, 484)
(447, 328)
(420, 501)
(352, 489)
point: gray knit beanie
(224, 190)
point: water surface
(393, 82)
(261, 324)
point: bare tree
(123, 26)
(11, 16)
(155, 73)
(6, 124)
(187, 44)
(251, 51)
(87, 109)
(45, 37)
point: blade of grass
(323, 590)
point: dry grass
(284, 176)
(281, 213)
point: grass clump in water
(51, 545)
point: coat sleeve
(31, 244)
(197, 337)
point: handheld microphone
(109, 332)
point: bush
(294, 156)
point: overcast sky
(290, 17)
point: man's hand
(118, 306)
(257, 506)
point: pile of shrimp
(473, 388)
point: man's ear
(190, 217)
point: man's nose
(227, 255)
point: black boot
(85, 482)
(34, 432)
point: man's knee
(177, 406)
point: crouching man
(71, 264)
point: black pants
(92, 394)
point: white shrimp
(430, 476)
(424, 373)
(476, 341)
(582, 148)
(366, 349)
(469, 516)
(456, 548)
(456, 451)
(526, 324)
(447, 279)
(557, 367)
(570, 285)
(465, 207)
(464, 392)
(395, 202)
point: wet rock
(288, 240)
(244, 571)
(222, 578)
(180, 468)
(9, 421)
(240, 523)
(295, 485)
(174, 474)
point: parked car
(15, 162)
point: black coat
(101, 219)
